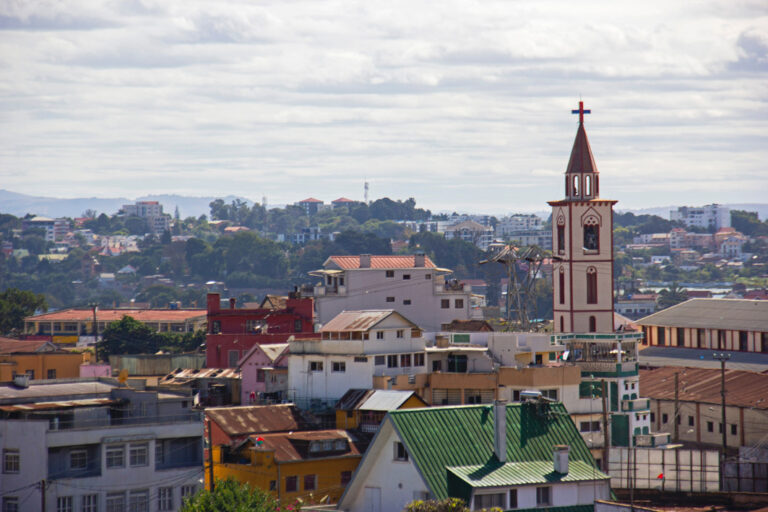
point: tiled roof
(272, 350)
(254, 419)
(525, 473)
(310, 200)
(379, 262)
(343, 200)
(11, 346)
(581, 155)
(727, 314)
(286, 450)
(112, 315)
(440, 437)
(354, 321)
(742, 388)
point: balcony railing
(638, 404)
(59, 424)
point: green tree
(232, 496)
(15, 305)
(445, 505)
(671, 296)
(127, 336)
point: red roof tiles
(380, 262)
(238, 421)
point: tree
(15, 305)
(127, 336)
(232, 496)
(446, 505)
(671, 296)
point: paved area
(701, 358)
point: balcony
(332, 291)
(638, 404)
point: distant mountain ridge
(21, 204)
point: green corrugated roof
(441, 437)
(525, 473)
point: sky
(462, 105)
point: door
(373, 499)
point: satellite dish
(123, 376)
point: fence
(664, 469)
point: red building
(232, 331)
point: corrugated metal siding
(526, 473)
(442, 437)
(143, 364)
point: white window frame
(138, 455)
(64, 504)
(115, 502)
(78, 453)
(540, 491)
(113, 450)
(89, 503)
(11, 461)
(138, 500)
(338, 366)
(188, 491)
(315, 366)
(165, 498)
(400, 454)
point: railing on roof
(56, 423)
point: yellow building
(38, 359)
(313, 466)
(365, 409)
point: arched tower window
(575, 186)
(592, 324)
(561, 284)
(567, 186)
(587, 186)
(591, 234)
(591, 285)
(561, 234)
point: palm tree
(671, 296)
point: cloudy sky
(463, 105)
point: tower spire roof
(581, 155)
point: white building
(711, 216)
(97, 447)
(353, 348)
(412, 285)
(519, 222)
(471, 231)
(152, 211)
(55, 229)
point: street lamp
(722, 357)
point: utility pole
(606, 434)
(722, 357)
(42, 495)
(677, 405)
(210, 456)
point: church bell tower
(582, 245)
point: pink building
(264, 373)
(95, 370)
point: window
(315, 366)
(138, 501)
(561, 282)
(361, 359)
(297, 325)
(661, 336)
(188, 491)
(138, 454)
(400, 452)
(458, 303)
(116, 502)
(406, 276)
(457, 363)
(390, 299)
(392, 361)
(165, 498)
(575, 185)
(379, 360)
(512, 498)
(592, 324)
(261, 375)
(115, 456)
(700, 338)
(664, 417)
(690, 421)
(11, 461)
(587, 186)
(90, 503)
(561, 239)
(405, 360)
(418, 359)
(406, 302)
(489, 500)
(445, 303)
(734, 430)
(543, 496)
(592, 237)
(10, 504)
(51, 374)
(346, 477)
(216, 327)
(764, 342)
(401, 333)
(591, 285)
(232, 357)
(310, 482)
(379, 335)
(339, 366)
(549, 393)
(273, 485)
(437, 366)
(653, 416)
(389, 273)
(719, 428)
(291, 484)
(589, 426)
(743, 341)
(78, 459)
(64, 504)
(710, 426)
(427, 276)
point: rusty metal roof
(379, 262)
(742, 388)
(112, 315)
(185, 375)
(65, 404)
(349, 321)
(257, 419)
(11, 346)
(286, 450)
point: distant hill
(21, 204)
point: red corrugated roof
(343, 200)
(310, 200)
(742, 388)
(253, 419)
(285, 449)
(11, 346)
(380, 262)
(112, 315)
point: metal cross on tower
(581, 112)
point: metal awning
(330, 272)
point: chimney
(560, 453)
(500, 430)
(213, 301)
(419, 259)
(365, 261)
(232, 302)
